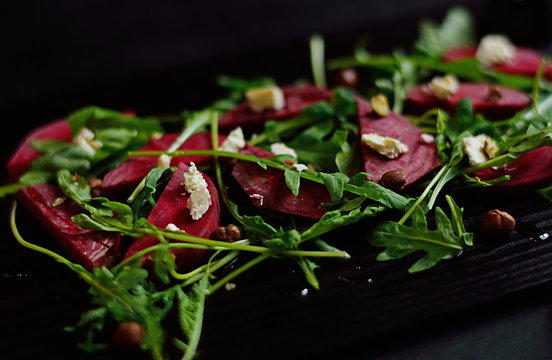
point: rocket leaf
(399, 240)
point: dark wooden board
(364, 307)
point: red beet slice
(121, 181)
(23, 157)
(421, 99)
(421, 157)
(172, 208)
(526, 62)
(90, 248)
(297, 98)
(532, 170)
(267, 188)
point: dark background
(163, 57)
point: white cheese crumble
(234, 142)
(386, 146)
(480, 148)
(193, 180)
(428, 139)
(266, 98)
(173, 227)
(85, 140)
(199, 203)
(164, 161)
(495, 49)
(282, 149)
(200, 198)
(444, 87)
(300, 167)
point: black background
(163, 57)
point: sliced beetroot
(526, 62)
(87, 247)
(24, 155)
(421, 157)
(532, 170)
(297, 98)
(121, 181)
(171, 208)
(505, 105)
(267, 188)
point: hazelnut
(347, 78)
(129, 334)
(228, 233)
(494, 93)
(95, 186)
(394, 180)
(498, 223)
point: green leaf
(335, 183)
(75, 187)
(293, 179)
(456, 30)
(400, 240)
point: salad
(151, 219)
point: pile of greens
(325, 135)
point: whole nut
(494, 93)
(393, 180)
(499, 223)
(228, 233)
(347, 78)
(129, 334)
(95, 186)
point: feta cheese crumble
(200, 198)
(282, 149)
(173, 227)
(266, 98)
(480, 148)
(386, 146)
(234, 142)
(444, 87)
(495, 49)
(164, 161)
(85, 140)
(300, 167)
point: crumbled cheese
(257, 197)
(495, 49)
(386, 146)
(200, 198)
(199, 203)
(193, 179)
(173, 227)
(164, 161)
(444, 87)
(300, 167)
(266, 98)
(230, 286)
(380, 104)
(234, 142)
(479, 149)
(85, 140)
(428, 139)
(282, 149)
(58, 201)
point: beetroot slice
(23, 157)
(421, 99)
(526, 62)
(87, 247)
(172, 208)
(297, 98)
(267, 188)
(421, 157)
(532, 170)
(121, 181)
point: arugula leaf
(456, 30)
(293, 179)
(399, 240)
(143, 202)
(190, 310)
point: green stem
(423, 195)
